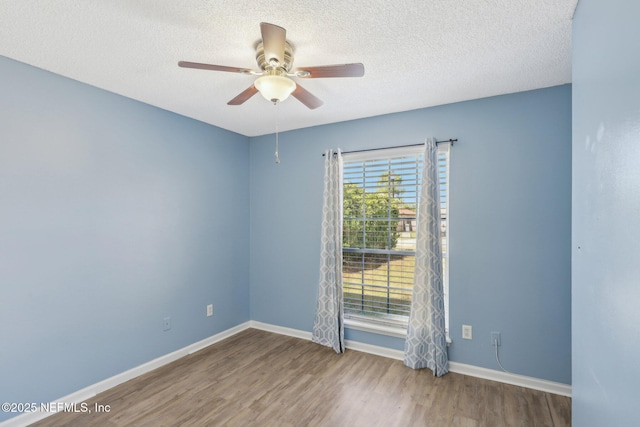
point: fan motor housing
(266, 66)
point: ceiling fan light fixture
(275, 88)
(274, 56)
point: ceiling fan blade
(186, 64)
(243, 96)
(342, 70)
(306, 97)
(273, 40)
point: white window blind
(381, 191)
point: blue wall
(606, 213)
(113, 215)
(510, 224)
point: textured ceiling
(416, 53)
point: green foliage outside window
(371, 217)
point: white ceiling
(417, 53)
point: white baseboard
(513, 379)
(460, 368)
(297, 333)
(90, 391)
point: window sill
(398, 332)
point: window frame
(390, 328)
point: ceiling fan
(274, 56)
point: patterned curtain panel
(328, 328)
(426, 345)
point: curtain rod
(450, 141)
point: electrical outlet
(495, 339)
(166, 323)
(467, 332)
(209, 310)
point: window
(380, 196)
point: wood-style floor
(257, 378)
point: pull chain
(276, 153)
